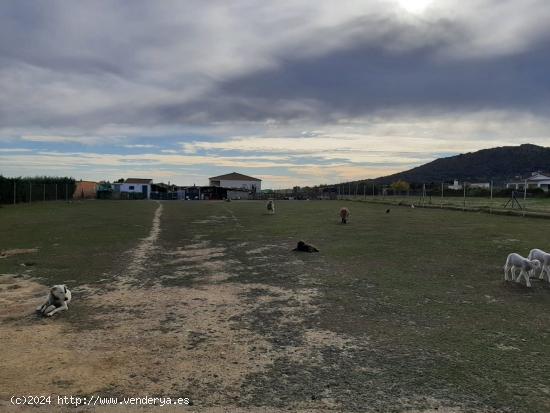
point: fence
(492, 199)
(24, 190)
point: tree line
(38, 188)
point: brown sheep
(344, 214)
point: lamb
(344, 215)
(57, 300)
(270, 206)
(544, 258)
(525, 265)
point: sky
(293, 92)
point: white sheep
(544, 258)
(270, 206)
(525, 265)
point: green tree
(400, 186)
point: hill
(498, 164)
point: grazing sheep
(270, 206)
(303, 247)
(544, 258)
(525, 265)
(344, 215)
(57, 300)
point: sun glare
(414, 6)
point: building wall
(237, 195)
(136, 188)
(85, 190)
(544, 185)
(483, 185)
(241, 184)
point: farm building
(164, 191)
(236, 193)
(479, 185)
(212, 193)
(237, 180)
(134, 188)
(85, 190)
(536, 180)
(104, 190)
(455, 186)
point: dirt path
(146, 247)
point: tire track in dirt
(233, 216)
(146, 248)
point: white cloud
(139, 145)
(15, 150)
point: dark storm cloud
(89, 64)
(365, 78)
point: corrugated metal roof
(138, 181)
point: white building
(236, 180)
(481, 185)
(536, 180)
(455, 186)
(136, 186)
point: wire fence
(525, 198)
(516, 200)
(14, 191)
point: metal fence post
(14, 193)
(441, 194)
(30, 192)
(44, 192)
(56, 192)
(67, 192)
(491, 201)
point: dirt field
(399, 312)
